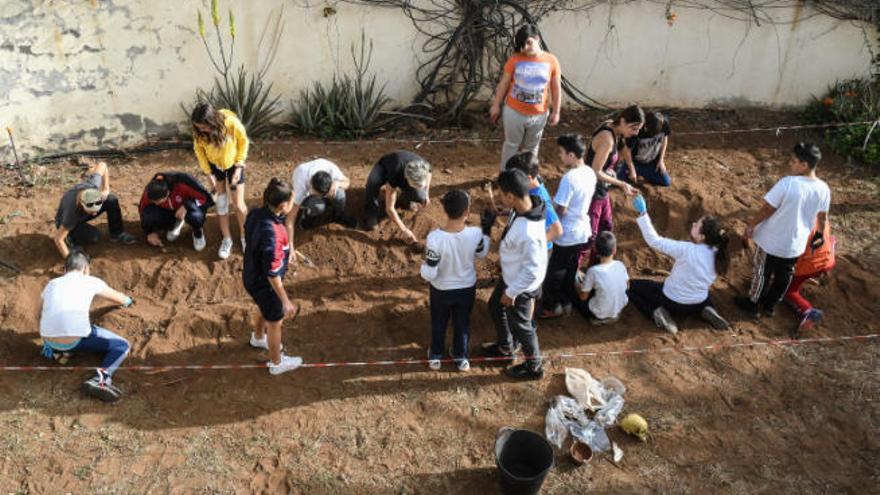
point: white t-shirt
(66, 303)
(574, 194)
(450, 256)
(797, 200)
(609, 282)
(302, 177)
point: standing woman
(265, 263)
(221, 145)
(528, 75)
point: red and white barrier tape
(624, 352)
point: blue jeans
(103, 341)
(646, 170)
(456, 304)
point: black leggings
(157, 219)
(647, 295)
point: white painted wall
(79, 74)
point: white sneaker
(243, 244)
(433, 364)
(199, 242)
(174, 233)
(288, 363)
(463, 365)
(261, 343)
(225, 248)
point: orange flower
(850, 94)
(828, 101)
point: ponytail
(276, 192)
(717, 237)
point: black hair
(525, 161)
(572, 143)
(455, 203)
(632, 114)
(522, 34)
(205, 113)
(276, 192)
(717, 237)
(77, 260)
(514, 182)
(654, 122)
(322, 182)
(157, 188)
(808, 153)
(605, 243)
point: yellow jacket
(233, 151)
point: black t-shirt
(646, 149)
(393, 165)
(69, 214)
(608, 166)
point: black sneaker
(525, 371)
(711, 315)
(748, 306)
(123, 238)
(769, 312)
(101, 389)
(493, 350)
(346, 220)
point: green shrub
(852, 101)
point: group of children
(543, 247)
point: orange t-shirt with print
(530, 82)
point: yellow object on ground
(634, 425)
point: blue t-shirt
(550, 216)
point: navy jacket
(268, 248)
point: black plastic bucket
(524, 458)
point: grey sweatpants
(521, 133)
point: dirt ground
(748, 420)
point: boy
(572, 200)
(170, 200)
(645, 153)
(449, 267)
(781, 229)
(316, 183)
(812, 264)
(523, 257)
(65, 326)
(83, 203)
(528, 163)
(400, 172)
(608, 282)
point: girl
(528, 75)
(697, 263)
(602, 156)
(645, 154)
(221, 145)
(170, 200)
(266, 256)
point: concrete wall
(80, 74)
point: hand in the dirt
(506, 300)
(554, 118)
(494, 113)
(629, 190)
(640, 205)
(180, 214)
(410, 237)
(487, 220)
(154, 240)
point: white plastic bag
(583, 387)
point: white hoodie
(523, 250)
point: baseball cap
(91, 200)
(416, 173)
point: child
(602, 290)
(686, 290)
(83, 203)
(528, 163)
(781, 229)
(266, 256)
(645, 154)
(315, 184)
(400, 172)
(221, 145)
(602, 156)
(449, 267)
(170, 200)
(573, 200)
(65, 326)
(528, 77)
(812, 264)
(523, 257)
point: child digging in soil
(602, 289)
(644, 155)
(266, 256)
(450, 257)
(686, 290)
(812, 264)
(170, 200)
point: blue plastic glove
(640, 205)
(128, 302)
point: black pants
(558, 287)
(456, 304)
(84, 233)
(157, 219)
(372, 208)
(771, 277)
(647, 295)
(314, 208)
(516, 323)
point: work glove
(128, 302)
(487, 220)
(639, 204)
